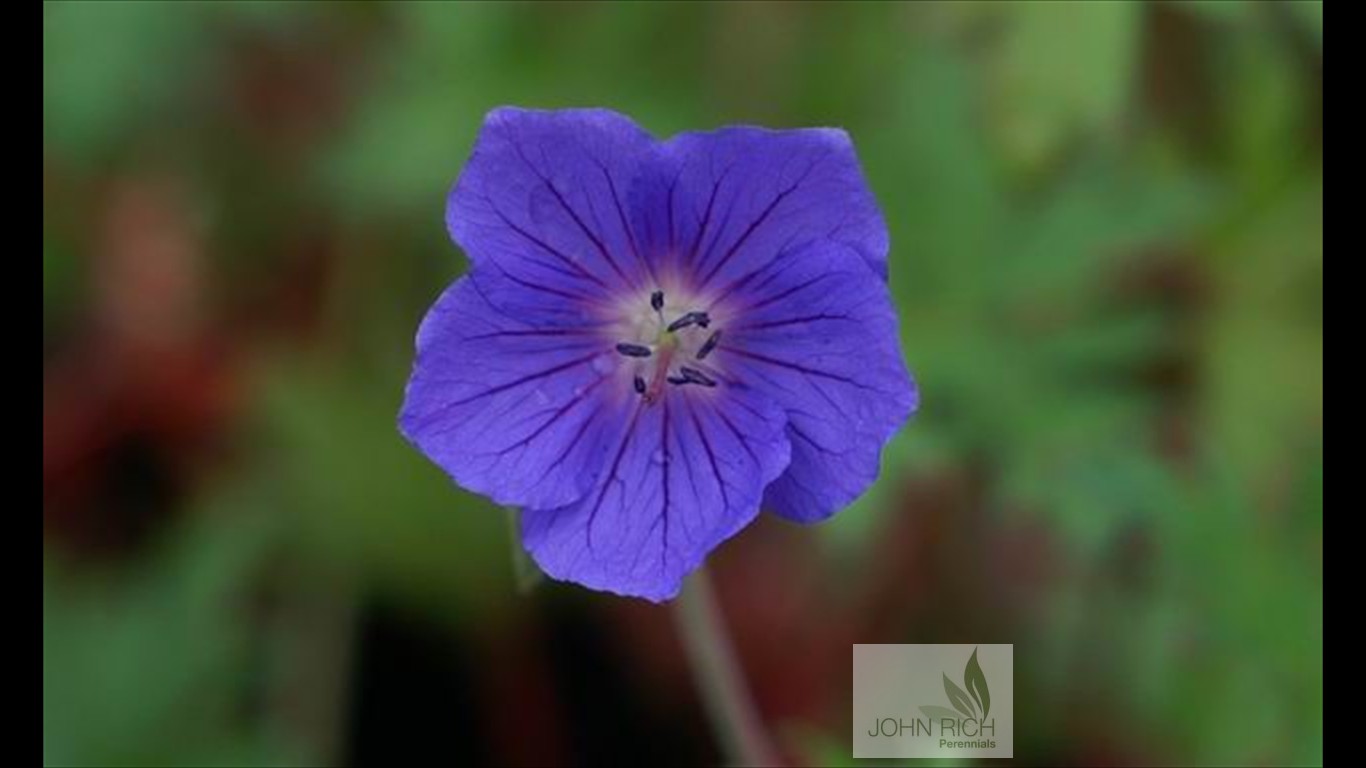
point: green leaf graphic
(976, 683)
(958, 698)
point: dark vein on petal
(672, 186)
(743, 236)
(740, 437)
(588, 421)
(688, 465)
(664, 449)
(752, 410)
(535, 332)
(720, 230)
(598, 227)
(625, 223)
(834, 406)
(711, 455)
(612, 475)
(706, 216)
(788, 321)
(786, 292)
(796, 367)
(578, 398)
(784, 252)
(814, 444)
(755, 224)
(510, 385)
(491, 304)
(569, 210)
(572, 264)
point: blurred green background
(1106, 225)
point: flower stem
(734, 719)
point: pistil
(661, 373)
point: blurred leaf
(415, 125)
(1062, 69)
(1099, 212)
(148, 667)
(1265, 124)
(109, 66)
(1215, 10)
(1262, 355)
(1310, 14)
(367, 500)
(931, 168)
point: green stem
(734, 719)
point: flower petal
(685, 474)
(513, 393)
(721, 204)
(816, 331)
(543, 197)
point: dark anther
(709, 345)
(640, 385)
(691, 376)
(657, 300)
(633, 350)
(695, 376)
(692, 318)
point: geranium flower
(655, 340)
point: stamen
(692, 318)
(640, 385)
(633, 350)
(695, 376)
(657, 300)
(708, 345)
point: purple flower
(657, 339)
